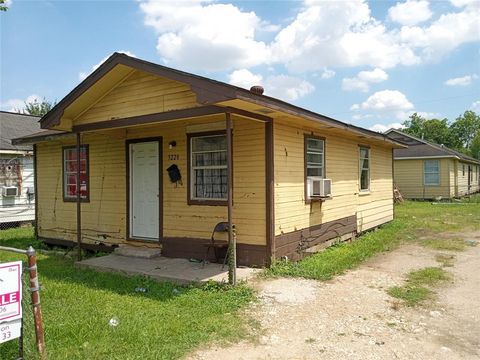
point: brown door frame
(158, 139)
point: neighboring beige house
(286, 177)
(426, 170)
(17, 193)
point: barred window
(208, 167)
(431, 172)
(70, 173)
(364, 168)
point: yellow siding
(105, 214)
(291, 212)
(463, 188)
(409, 179)
(141, 93)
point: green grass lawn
(164, 323)
(169, 321)
(412, 220)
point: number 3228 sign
(10, 300)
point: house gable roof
(419, 148)
(14, 125)
(208, 92)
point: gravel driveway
(352, 317)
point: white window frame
(193, 168)
(361, 168)
(437, 183)
(316, 152)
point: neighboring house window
(364, 168)
(315, 157)
(208, 167)
(431, 171)
(463, 170)
(70, 173)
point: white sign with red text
(10, 291)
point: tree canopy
(38, 108)
(463, 134)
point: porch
(181, 271)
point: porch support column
(232, 244)
(78, 200)
(269, 191)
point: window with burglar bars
(208, 173)
(70, 173)
(431, 172)
(315, 157)
(364, 167)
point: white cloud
(363, 80)
(462, 3)
(410, 12)
(338, 34)
(287, 88)
(386, 103)
(244, 78)
(381, 128)
(284, 87)
(443, 35)
(204, 35)
(17, 105)
(461, 81)
(8, 3)
(83, 74)
(475, 106)
(327, 73)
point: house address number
(173, 157)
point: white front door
(144, 190)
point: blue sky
(367, 63)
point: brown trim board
(158, 139)
(294, 244)
(35, 187)
(270, 191)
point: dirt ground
(352, 316)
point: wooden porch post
(78, 201)
(232, 245)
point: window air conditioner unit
(318, 187)
(9, 191)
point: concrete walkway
(165, 269)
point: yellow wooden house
(139, 154)
(426, 170)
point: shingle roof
(422, 148)
(14, 125)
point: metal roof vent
(257, 89)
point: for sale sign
(10, 291)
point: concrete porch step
(137, 252)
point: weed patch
(445, 260)
(452, 244)
(419, 285)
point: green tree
(465, 128)
(434, 130)
(475, 146)
(3, 6)
(38, 108)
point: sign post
(10, 301)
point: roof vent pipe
(257, 89)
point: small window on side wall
(364, 168)
(70, 173)
(315, 157)
(431, 172)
